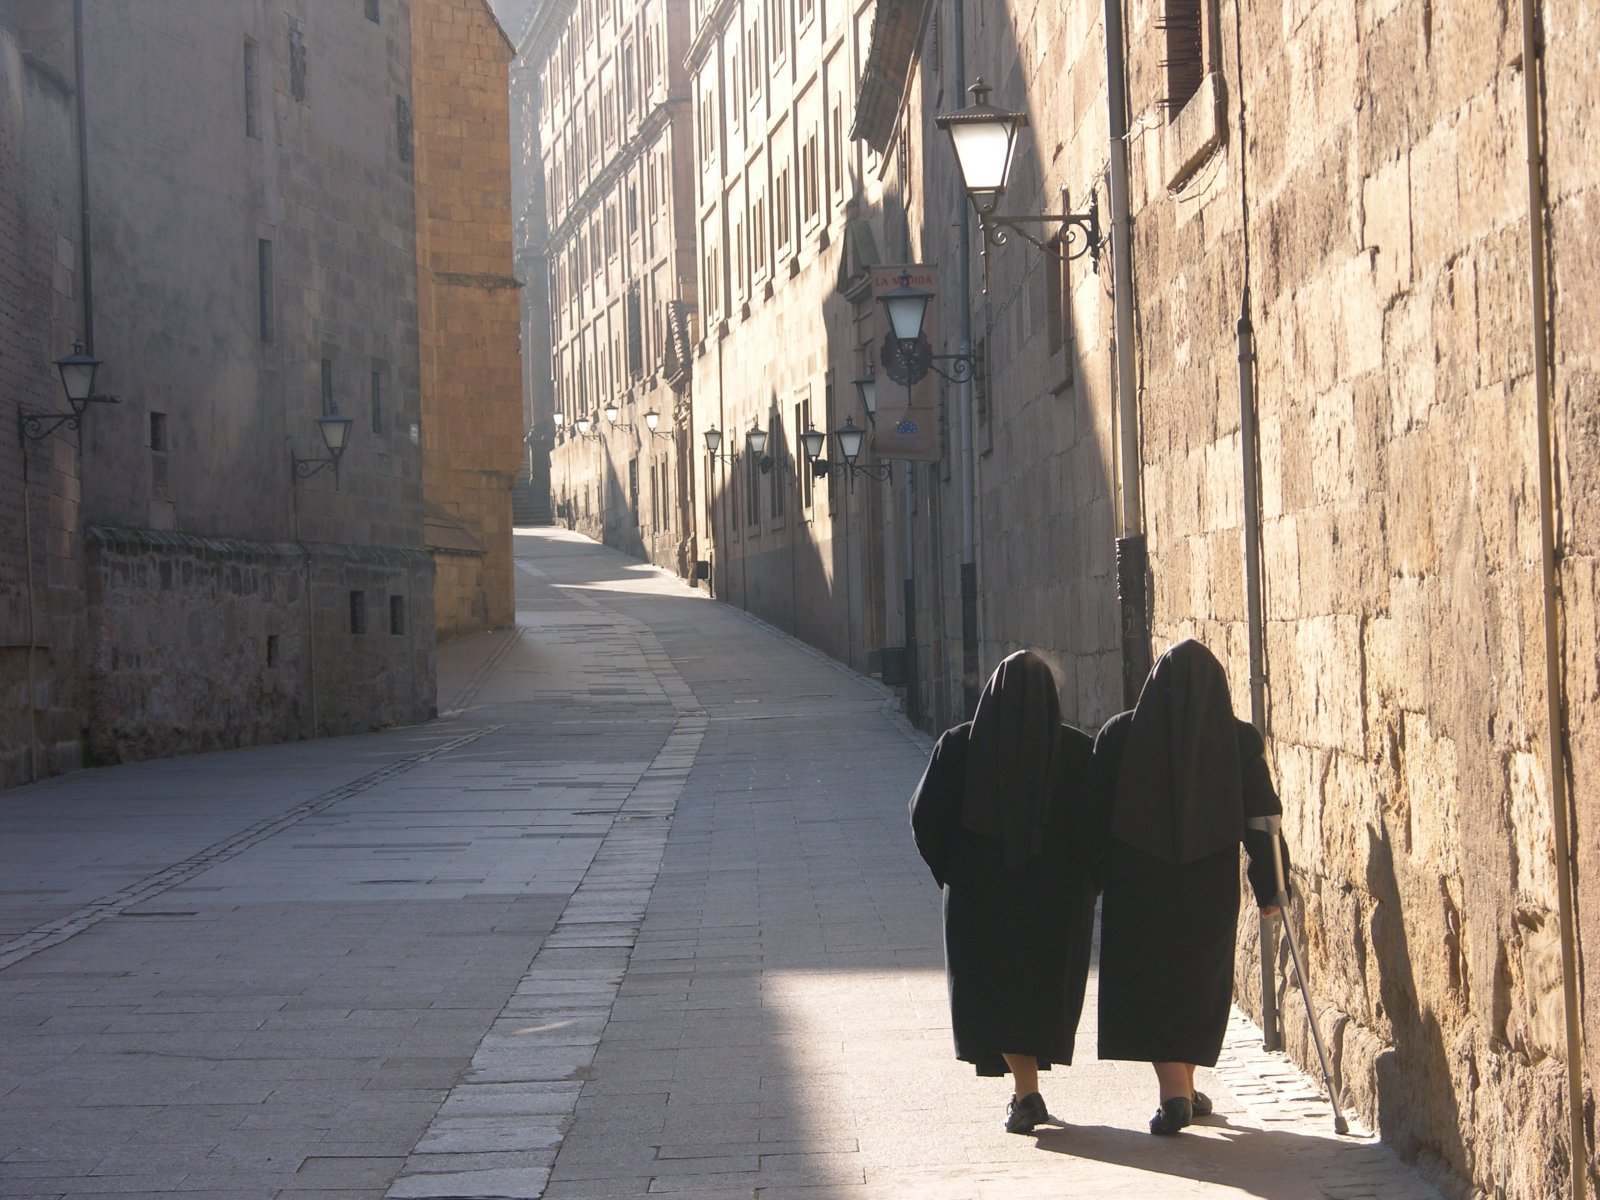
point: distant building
(469, 312)
(616, 140)
(199, 575)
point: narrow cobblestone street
(638, 914)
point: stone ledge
(1197, 129)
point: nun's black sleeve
(1260, 800)
(1100, 791)
(936, 804)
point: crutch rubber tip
(1340, 1125)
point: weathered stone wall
(266, 275)
(468, 308)
(1572, 100)
(1362, 170)
(200, 643)
(41, 604)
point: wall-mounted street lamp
(77, 380)
(612, 412)
(984, 139)
(651, 420)
(867, 389)
(906, 354)
(583, 425)
(755, 441)
(849, 436)
(335, 436)
(713, 438)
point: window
(377, 400)
(272, 649)
(635, 335)
(809, 192)
(372, 11)
(775, 434)
(836, 149)
(780, 22)
(802, 422)
(633, 488)
(807, 8)
(264, 288)
(252, 89)
(402, 127)
(1184, 63)
(297, 59)
(158, 433)
(358, 612)
(329, 404)
(780, 209)
(397, 614)
(753, 64)
(758, 237)
(752, 471)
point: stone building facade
(187, 587)
(1362, 470)
(784, 203)
(469, 311)
(1384, 438)
(616, 145)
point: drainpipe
(1556, 765)
(969, 555)
(1271, 1031)
(1132, 555)
(85, 253)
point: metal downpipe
(1556, 765)
(1132, 559)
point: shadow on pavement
(1255, 1162)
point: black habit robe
(1171, 785)
(997, 818)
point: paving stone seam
(62, 929)
(615, 891)
(469, 690)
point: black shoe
(1022, 1115)
(1201, 1104)
(1172, 1116)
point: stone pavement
(638, 914)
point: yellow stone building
(468, 309)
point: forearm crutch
(1273, 827)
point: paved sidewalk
(638, 914)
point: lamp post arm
(35, 426)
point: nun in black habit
(997, 818)
(1171, 785)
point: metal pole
(1132, 561)
(1556, 764)
(1273, 827)
(964, 393)
(1271, 1031)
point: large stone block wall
(41, 604)
(383, 674)
(211, 643)
(288, 127)
(469, 308)
(1386, 244)
(1370, 187)
(200, 644)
